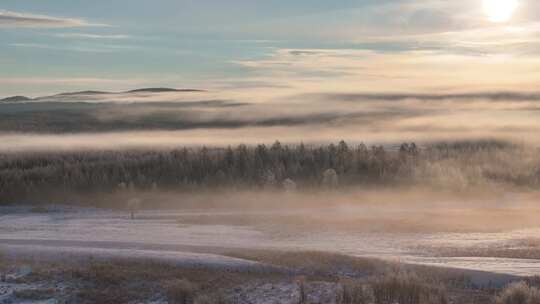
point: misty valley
(459, 217)
(270, 152)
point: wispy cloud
(521, 38)
(91, 36)
(9, 19)
(77, 48)
(80, 81)
(59, 48)
(353, 70)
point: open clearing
(197, 236)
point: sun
(500, 10)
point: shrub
(206, 299)
(110, 295)
(355, 293)
(39, 209)
(34, 294)
(519, 293)
(406, 289)
(180, 292)
(302, 293)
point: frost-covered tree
(289, 185)
(330, 179)
(57, 175)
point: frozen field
(205, 236)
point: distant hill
(89, 93)
(83, 93)
(160, 90)
(15, 99)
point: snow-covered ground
(167, 235)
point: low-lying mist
(399, 210)
(352, 209)
(166, 120)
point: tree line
(29, 175)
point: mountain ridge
(20, 98)
(161, 90)
(17, 98)
(83, 93)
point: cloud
(360, 70)
(402, 25)
(489, 96)
(75, 81)
(516, 39)
(63, 48)
(9, 19)
(91, 36)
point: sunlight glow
(500, 10)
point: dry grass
(40, 209)
(355, 292)
(334, 266)
(105, 296)
(519, 293)
(301, 283)
(180, 291)
(365, 280)
(123, 281)
(358, 280)
(35, 294)
(316, 263)
(3, 267)
(210, 299)
(407, 289)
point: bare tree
(134, 205)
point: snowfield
(183, 237)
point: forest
(31, 176)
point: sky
(304, 70)
(267, 48)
